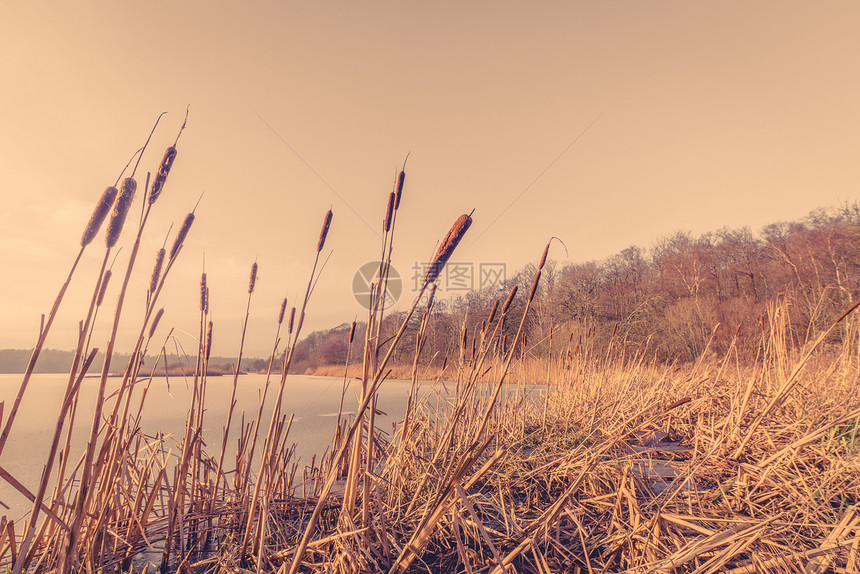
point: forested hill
(664, 301)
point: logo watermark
(457, 277)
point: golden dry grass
(620, 465)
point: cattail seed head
(543, 259)
(509, 300)
(156, 270)
(183, 233)
(400, 179)
(281, 314)
(324, 232)
(204, 294)
(120, 211)
(99, 215)
(389, 212)
(161, 174)
(292, 319)
(155, 322)
(208, 341)
(253, 281)
(446, 249)
(493, 311)
(103, 288)
(535, 285)
(352, 332)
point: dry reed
(620, 464)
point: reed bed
(621, 464)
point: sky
(606, 124)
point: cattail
(155, 322)
(509, 300)
(389, 212)
(400, 179)
(465, 342)
(352, 332)
(493, 311)
(156, 271)
(120, 211)
(161, 174)
(103, 288)
(99, 215)
(180, 237)
(543, 259)
(534, 285)
(281, 314)
(324, 232)
(292, 319)
(208, 341)
(432, 296)
(204, 294)
(455, 235)
(252, 283)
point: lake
(313, 400)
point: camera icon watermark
(365, 284)
(458, 276)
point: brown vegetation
(745, 458)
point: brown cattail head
(399, 193)
(534, 285)
(156, 271)
(103, 288)
(543, 259)
(446, 249)
(161, 174)
(324, 232)
(292, 319)
(204, 294)
(253, 282)
(208, 341)
(183, 233)
(389, 212)
(493, 311)
(155, 322)
(99, 215)
(352, 332)
(120, 211)
(509, 300)
(281, 314)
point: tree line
(666, 301)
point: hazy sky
(604, 123)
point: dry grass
(621, 464)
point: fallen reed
(620, 464)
